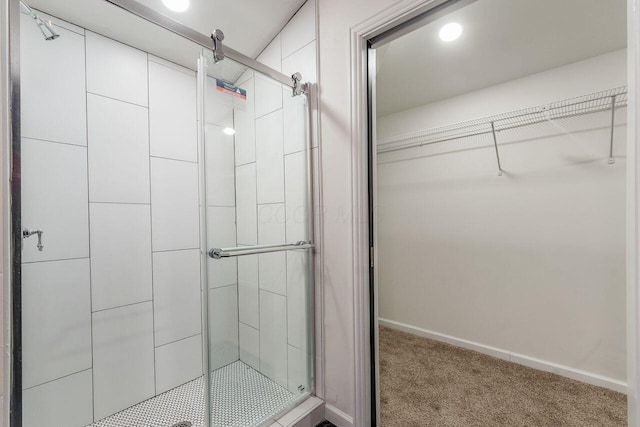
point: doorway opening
(498, 196)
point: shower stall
(158, 218)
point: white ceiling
(502, 40)
(249, 25)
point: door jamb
(364, 312)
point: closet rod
(587, 104)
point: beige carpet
(428, 383)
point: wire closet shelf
(607, 100)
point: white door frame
(360, 35)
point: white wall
(531, 263)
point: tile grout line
(153, 307)
(86, 100)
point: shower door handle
(219, 253)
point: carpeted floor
(428, 383)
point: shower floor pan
(240, 397)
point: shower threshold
(240, 397)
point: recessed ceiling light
(176, 5)
(229, 131)
(450, 32)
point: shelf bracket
(612, 160)
(495, 144)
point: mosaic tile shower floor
(240, 397)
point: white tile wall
(246, 200)
(221, 227)
(303, 61)
(300, 31)
(248, 293)
(273, 336)
(116, 70)
(118, 151)
(295, 119)
(272, 54)
(176, 295)
(271, 230)
(250, 346)
(123, 358)
(296, 194)
(55, 199)
(52, 85)
(172, 112)
(178, 363)
(298, 293)
(245, 126)
(175, 212)
(223, 326)
(268, 96)
(66, 402)
(296, 370)
(120, 255)
(281, 146)
(220, 166)
(56, 315)
(269, 158)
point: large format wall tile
(297, 370)
(172, 112)
(56, 316)
(272, 54)
(223, 326)
(246, 205)
(55, 199)
(120, 255)
(268, 96)
(221, 228)
(296, 195)
(248, 294)
(65, 402)
(250, 346)
(295, 122)
(52, 85)
(245, 126)
(178, 363)
(302, 61)
(118, 151)
(176, 295)
(300, 31)
(123, 358)
(116, 70)
(273, 337)
(174, 197)
(220, 166)
(271, 231)
(269, 158)
(299, 308)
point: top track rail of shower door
(203, 40)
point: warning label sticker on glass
(230, 89)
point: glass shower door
(258, 239)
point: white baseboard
(337, 417)
(521, 359)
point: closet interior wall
(528, 266)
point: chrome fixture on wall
(45, 26)
(26, 233)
